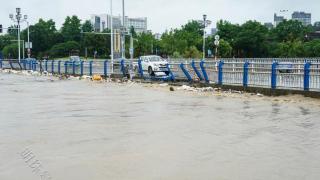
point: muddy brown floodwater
(82, 130)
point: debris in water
(164, 85)
(96, 78)
(260, 95)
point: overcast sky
(161, 14)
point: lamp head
(204, 16)
(18, 10)
(25, 17)
(11, 16)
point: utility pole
(131, 47)
(111, 22)
(205, 24)
(29, 45)
(204, 37)
(123, 38)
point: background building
(269, 25)
(103, 21)
(303, 17)
(214, 31)
(96, 21)
(278, 19)
(139, 24)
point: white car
(154, 65)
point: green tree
(64, 49)
(224, 49)
(11, 51)
(5, 40)
(180, 40)
(43, 36)
(312, 48)
(71, 29)
(251, 39)
(96, 42)
(192, 52)
(13, 31)
(291, 49)
(87, 26)
(144, 44)
(290, 31)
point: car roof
(150, 56)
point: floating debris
(164, 84)
(260, 95)
(96, 78)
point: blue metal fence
(299, 74)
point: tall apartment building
(103, 21)
(139, 24)
(304, 18)
(96, 21)
(278, 19)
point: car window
(155, 59)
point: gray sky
(162, 14)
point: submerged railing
(298, 74)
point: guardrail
(297, 74)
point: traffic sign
(216, 42)
(131, 50)
(28, 46)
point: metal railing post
(34, 65)
(52, 66)
(193, 64)
(66, 67)
(220, 72)
(274, 75)
(90, 68)
(123, 67)
(105, 68)
(73, 67)
(245, 74)
(25, 64)
(172, 77)
(81, 68)
(46, 65)
(307, 76)
(30, 64)
(140, 68)
(204, 72)
(185, 72)
(59, 67)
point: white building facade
(101, 22)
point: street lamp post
(29, 45)
(111, 22)
(123, 32)
(205, 23)
(204, 36)
(18, 19)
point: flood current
(83, 130)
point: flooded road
(81, 130)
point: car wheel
(150, 71)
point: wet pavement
(87, 130)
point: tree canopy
(251, 39)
